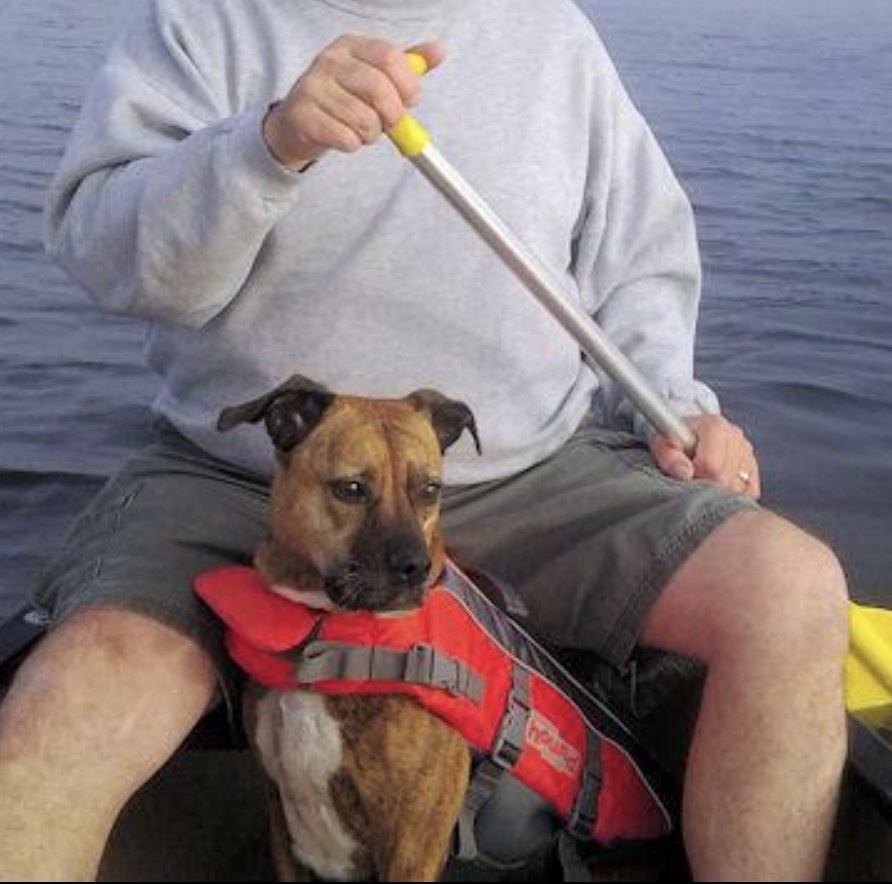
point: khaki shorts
(588, 538)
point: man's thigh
(169, 514)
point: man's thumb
(679, 467)
(671, 460)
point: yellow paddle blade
(868, 669)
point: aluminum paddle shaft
(414, 142)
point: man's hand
(723, 454)
(354, 90)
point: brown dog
(366, 787)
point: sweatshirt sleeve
(165, 192)
(641, 276)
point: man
(227, 180)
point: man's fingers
(725, 455)
(353, 113)
(356, 88)
(671, 460)
(747, 479)
(391, 62)
(432, 52)
(375, 91)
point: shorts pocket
(79, 562)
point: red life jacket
(468, 662)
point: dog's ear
(449, 417)
(289, 412)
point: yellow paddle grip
(417, 62)
(409, 136)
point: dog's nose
(408, 564)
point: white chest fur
(300, 748)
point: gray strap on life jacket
(585, 807)
(506, 750)
(421, 664)
(573, 867)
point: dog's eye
(430, 492)
(350, 490)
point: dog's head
(355, 503)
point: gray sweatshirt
(357, 273)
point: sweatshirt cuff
(270, 179)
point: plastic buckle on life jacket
(508, 744)
(584, 813)
(424, 664)
(506, 749)
(421, 664)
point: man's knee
(797, 583)
(758, 584)
(93, 712)
(111, 682)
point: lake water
(777, 115)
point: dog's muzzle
(400, 585)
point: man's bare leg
(95, 710)
(765, 606)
